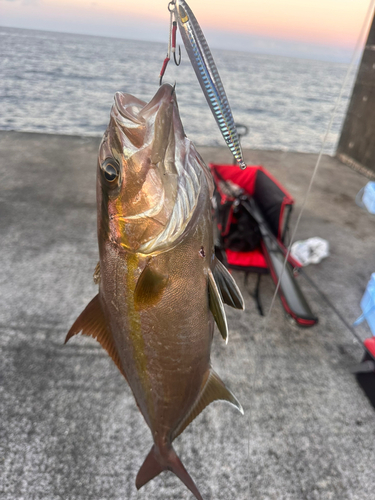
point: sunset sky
(324, 29)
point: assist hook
(171, 41)
(177, 63)
(172, 10)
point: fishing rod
(291, 295)
(367, 365)
(328, 129)
(206, 71)
(210, 82)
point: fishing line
(334, 309)
(248, 455)
(250, 408)
(267, 348)
(333, 114)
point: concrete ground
(69, 425)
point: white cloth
(310, 251)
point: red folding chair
(252, 212)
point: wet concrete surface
(69, 426)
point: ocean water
(65, 83)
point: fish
(161, 288)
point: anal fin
(228, 287)
(91, 322)
(213, 389)
(217, 306)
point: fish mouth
(165, 93)
(139, 124)
(129, 106)
(138, 112)
(152, 132)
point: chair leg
(256, 295)
(246, 279)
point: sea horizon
(212, 46)
(64, 83)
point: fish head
(149, 174)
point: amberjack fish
(160, 285)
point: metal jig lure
(205, 68)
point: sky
(317, 29)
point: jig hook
(174, 31)
(177, 63)
(171, 41)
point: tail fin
(156, 463)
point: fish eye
(110, 170)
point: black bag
(244, 234)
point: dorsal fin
(150, 287)
(217, 306)
(212, 390)
(228, 287)
(91, 322)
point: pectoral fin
(213, 389)
(91, 322)
(149, 288)
(228, 288)
(217, 306)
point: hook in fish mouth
(145, 137)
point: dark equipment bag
(252, 211)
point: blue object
(368, 197)
(368, 305)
